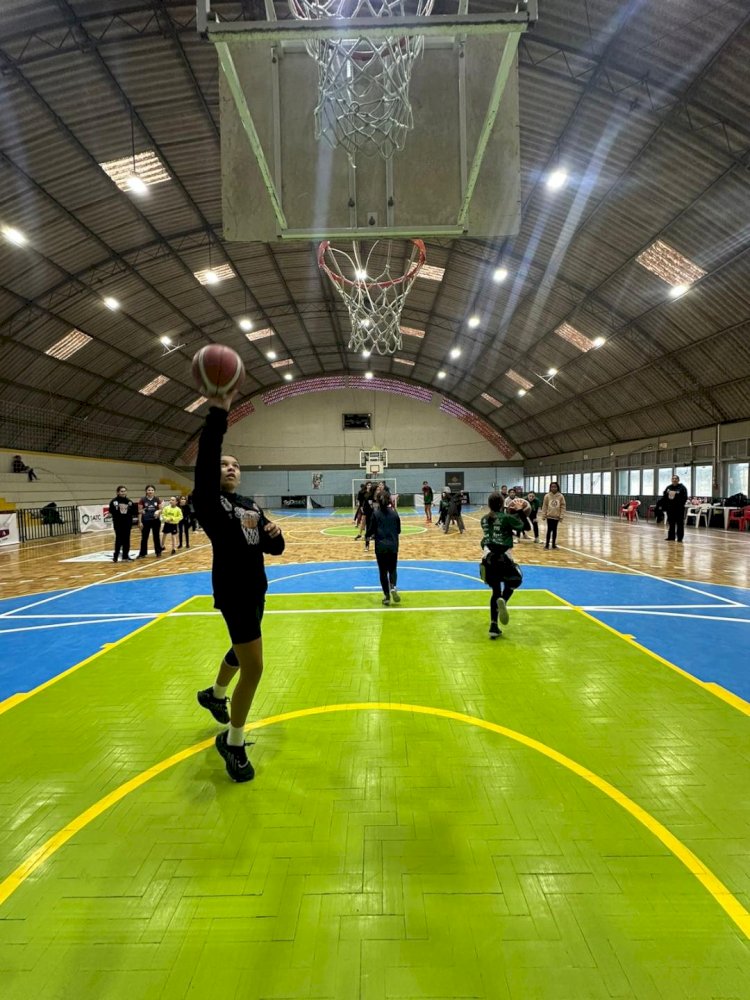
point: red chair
(630, 510)
(651, 511)
(740, 517)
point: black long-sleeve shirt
(385, 527)
(238, 566)
(122, 510)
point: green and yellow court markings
(721, 894)
(351, 530)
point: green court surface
(390, 847)
(351, 530)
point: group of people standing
(172, 520)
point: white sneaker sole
(502, 612)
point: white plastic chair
(701, 511)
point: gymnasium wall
(306, 431)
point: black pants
(676, 522)
(184, 526)
(499, 589)
(535, 526)
(387, 567)
(150, 527)
(523, 518)
(122, 539)
(552, 523)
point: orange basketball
(218, 370)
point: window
(623, 481)
(703, 481)
(596, 482)
(737, 478)
(647, 483)
(665, 478)
(635, 482)
(683, 471)
(606, 483)
(547, 481)
(577, 483)
(586, 484)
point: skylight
(68, 345)
(150, 388)
(410, 331)
(404, 361)
(284, 363)
(669, 264)
(491, 399)
(431, 273)
(146, 166)
(259, 334)
(194, 406)
(518, 379)
(574, 337)
(213, 275)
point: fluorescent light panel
(284, 363)
(491, 399)
(68, 345)
(150, 388)
(221, 272)
(574, 337)
(259, 334)
(669, 264)
(146, 166)
(194, 406)
(410, 331)
(518, 379)
(404, 361)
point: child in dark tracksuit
(385, 527)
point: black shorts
(169, 529)
(243, 619)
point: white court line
(96, 583)
(95, 621)
(676, 614)
(653, 576)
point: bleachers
(85, 481)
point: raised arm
(208, 462)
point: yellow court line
(715, 689)
(729, 903)
(17, 699)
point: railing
(605, 506)
(35, 523)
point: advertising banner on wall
(93, 519)
(9, 529)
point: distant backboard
(458, 175)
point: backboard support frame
(448, 30)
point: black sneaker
(216, 706)
(386, 602)
(114, 558)
(395, 596)
(239, 767)
(502, 611)
(494, 632)
(128, 559)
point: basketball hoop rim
(341, 280)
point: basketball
(516, 504)
(218, 370)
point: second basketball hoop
(374, 283)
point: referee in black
(240, 535)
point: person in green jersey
(501, 574)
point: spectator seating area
(85, 481)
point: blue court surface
(702, 628)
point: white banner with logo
(9, 529)
(93, 519)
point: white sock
(219, 691)
(236, 736)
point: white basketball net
(363, 84)
(373, 296)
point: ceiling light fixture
(456, 352)
(14, 235)
(599, 341)
(271, 355)
(288, 376)
(360, 274)
(368, 374)
(245, 324)
(441, 374)
(500, 275)
(552, 371)
(366, 353)
(474, 322)
(136, 185)
(111, 303)
(165, 340)
(557, 179)
(522, 392)
(677, 290)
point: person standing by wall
(385, 527)
(171, 516)
(122, 510)
(553, 511)
(149, 508)
(534, 504)
(428, 496)
(673, 501)
(184, 525)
